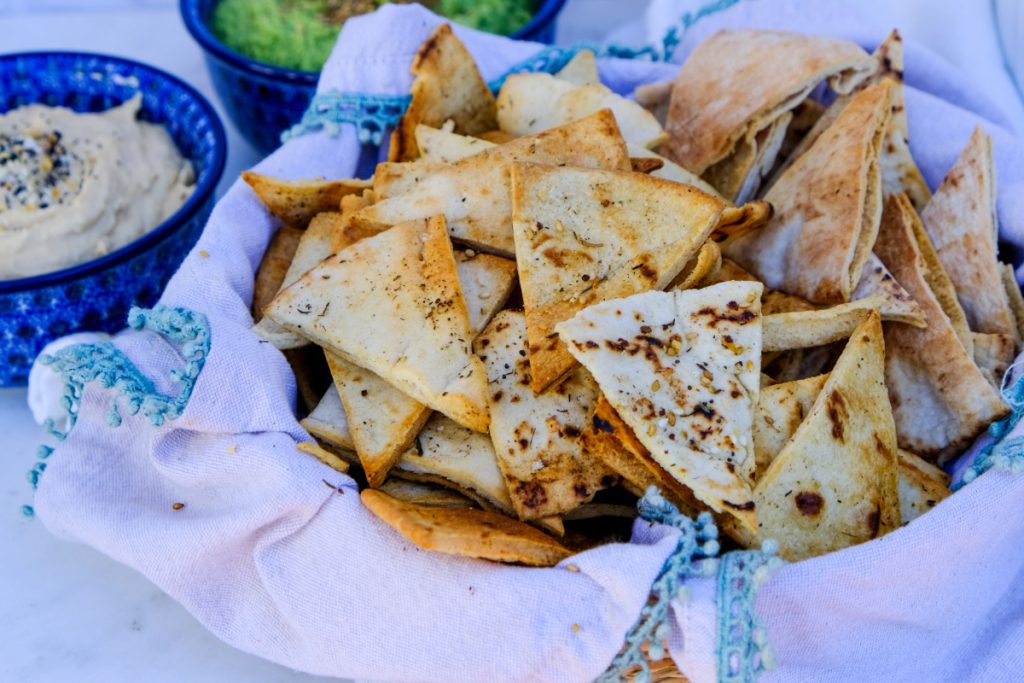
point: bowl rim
(200, 195)
(202, 34)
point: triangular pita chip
(897, 305)
(474, 194)
(447, 85)
(922, 486)
(704, 265)
(424, 493)
(827, 208)
(807, 329)
(328, 422)
(834, 484)
(940, 399)
(581, 69)
(737, 221)
(439, 146)
(466, 531)
(533, 102)
(296, 202)
(349, 234)
(961, 222)
(738, 81)
(538, 439)
(617, 234)
(780, 410)
(384, 420)
(682, 369)
(392, 303)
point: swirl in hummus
(75, 186)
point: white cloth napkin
(281, 565)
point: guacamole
(299, 34)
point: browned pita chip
(447, 85)
(348, 233)
(780, 410)
(940, 398)
(993, 354)
(296, 201)
(897, 305)
(270, 274)
(466, 531)
(699, 268)
(806, 329)
(922, 486)
(827, 208)
(737, 221)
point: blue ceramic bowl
(265, 100)
(97, 295)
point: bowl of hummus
(265, 56)
(107, 176)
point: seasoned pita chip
(328, 422)
(670, 170)
(538, 439)
(447, 86)
(616, 235)
(313, 248)
(806, 329)
(737, 82)
(704, 265)
(474, 194)
(921, 485)
(323, 455)
(443, 147)
(961, 222)
(827, 208)
(1014, 296)
(682, 369)
(422, 493)
(392, 303)
(273, 267)
(940, 399)
(780, 410)
(384, 419)
(296, 202)
(581, 69)
(466, 531)
(897, 305)
(834, 484)
(348, 233)
(993, 354)
(737, 221)
(533, 102)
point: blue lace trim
(1002, 454)
(743, 650)
(81, 364)
(694, 555)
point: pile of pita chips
(545, 303)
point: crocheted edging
(694, 555)
(81, 364)
(1002, 454)
(743, 650)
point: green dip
(299, 34)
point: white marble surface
(69, 613)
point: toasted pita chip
(442, 147)
(655, 98)
(272, 269)
(392, 303)
(447, 85)
(384, 420)
(739, 176)
(834, 484)
(993, 354)
(426, 494)
(961, 222)
(897, 304)
(940, 398)
(780, 410)
(538, 439)
(533, 102)
(806, 329)
(314, 247)
(328, 423)
(623, 233)
(921, 485)
(296, 202)
(827, 209)
(736, 82)
(704, 265)
(323, 455)
(474, 194)
(581, 69)
(741, 220)
(466, 531)
(670, 170)
(682, 369)
(348, 233)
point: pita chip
(439, 146)
(273, 267)
(738, 177)
(447, 85)
(735, 87)
(533, 102)
(897, 305)
(621, 234)
(993, 354)
(384, 420)
(466, 531)
(323, 455)
(834, 484)
(961, 222)
(655, 98)
(392, 303)
(940, 399)
(296, 202)
(474, 194)
(669, 170)
(781, 408)
(827, 207)
(581, 69)
(538, 439)
(807, 329)
(328, 422)
(1014, 296)
(704, 265)
(922, 485)
(424, 493)
(682, 369)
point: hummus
(74, 187)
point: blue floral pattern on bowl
(265, 100)
(98, 294)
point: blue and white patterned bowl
(98, 294)
(265, 100)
